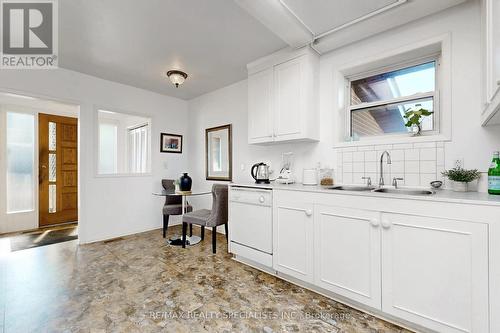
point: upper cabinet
(491, 34)
(282, 97)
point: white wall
(470, 142)
(111, 206)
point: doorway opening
(39, 176)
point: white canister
(310, 177)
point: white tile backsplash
(412, 154)
(370, 156)
(428, 154)
(428, 167)
(412, 166)
(418, 164)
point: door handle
(308, 212)
(261, 199)
(375, 222)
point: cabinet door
(347, 253)
(492, 30)
(293, 240)
(260, 106)
(289, 102)
(435, 272)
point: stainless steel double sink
(404, 191)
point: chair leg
(190, 230)
(227, 232)
(184, 231)
(165, 225)
(214, 239)
(202, 232)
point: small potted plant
(414, 117)
(461, 178)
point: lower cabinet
(293, 239)
(347, 253)
(429, 271)
(435, 272)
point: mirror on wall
(218, 152)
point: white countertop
(474, 198)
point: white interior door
(347, 253)
(260, 106)
(293, 240)
(435, 272)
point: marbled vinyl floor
(139, 284)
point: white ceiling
(320, 16)
(299, 22)
(136, 42)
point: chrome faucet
(381, 180)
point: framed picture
(219, 153)
(170, 143)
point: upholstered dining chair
(173, 205)
(209, 218)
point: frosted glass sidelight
(52, 136)
(20, 156)
(52, 167)
(52, 198)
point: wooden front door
(58, 169)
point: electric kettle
(260, 172)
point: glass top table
(177, 239)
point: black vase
(185, 182)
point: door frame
(32, 218)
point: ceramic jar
(185, 182)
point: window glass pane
(400, 83)
(388, 119)
(52, 198)
(52, 167)
(108, 142)
(20, 154)
(124, 143)
(52, 136)
(138, 145)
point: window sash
(431, 94)
(138, 146)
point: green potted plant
(414, 117)
(461, 178)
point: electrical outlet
(459, 163)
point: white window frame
(386, 69)
(149, 122)
(438, 44)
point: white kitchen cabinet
(293, 239)
(282, 97)
(491, 56)
(347, 253)
(435, 272)
(260, 106)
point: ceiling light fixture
(177, 77)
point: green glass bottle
(494, 174)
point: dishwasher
(251, 224)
